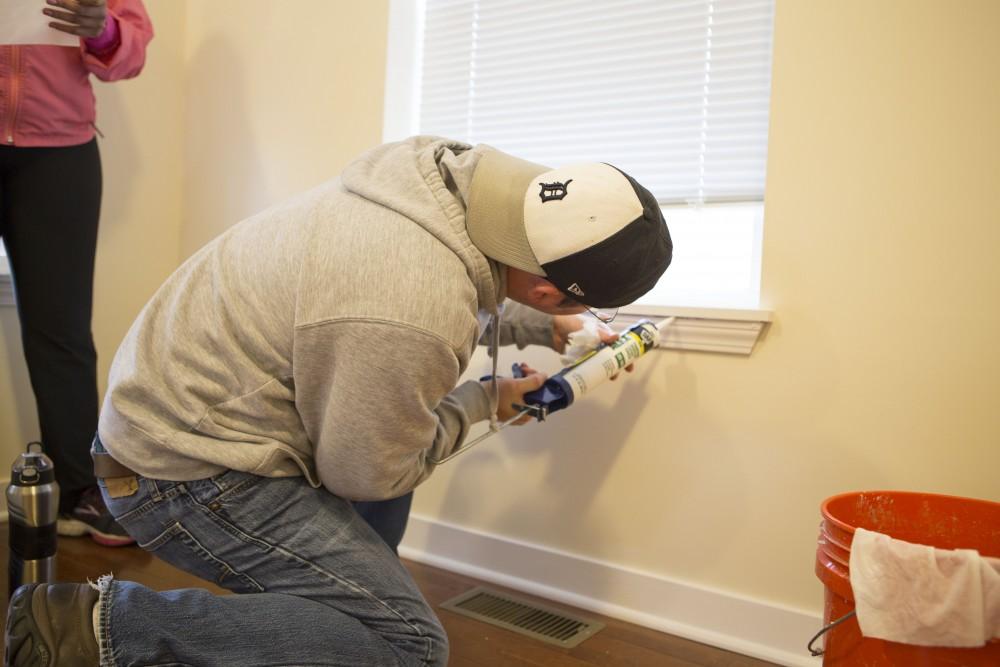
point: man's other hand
(564, 325)
(512, 390)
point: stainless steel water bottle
(33, 507)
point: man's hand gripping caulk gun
(600, 363)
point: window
(674, 92)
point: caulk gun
(600, 364)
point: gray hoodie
(322, 337)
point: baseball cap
(589, 228)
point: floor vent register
(523, 616)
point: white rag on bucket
(917, 594)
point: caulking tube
(603, 363)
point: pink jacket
(45, 93)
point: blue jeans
(317, 584)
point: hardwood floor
(473, 643)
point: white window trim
(404, 61)
(722, 330)
(6, 283)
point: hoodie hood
(426, 179)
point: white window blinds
(674, 92)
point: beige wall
(881, 229)
(277, 101)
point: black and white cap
(590, 229)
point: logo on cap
(552, 191)
(575, 289)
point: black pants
(50, 201)
(387, 517)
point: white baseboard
(741, 624)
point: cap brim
(495, 215)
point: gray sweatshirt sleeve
(522, 326)
(379, 403)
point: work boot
(51, 624)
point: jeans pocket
(230, 485)
(177, 546)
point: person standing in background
(50, 199)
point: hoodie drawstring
(494, 395)
(494, 388)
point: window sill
(723, 330)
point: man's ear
(545, 293)
(532, 290)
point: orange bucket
(944, 522)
